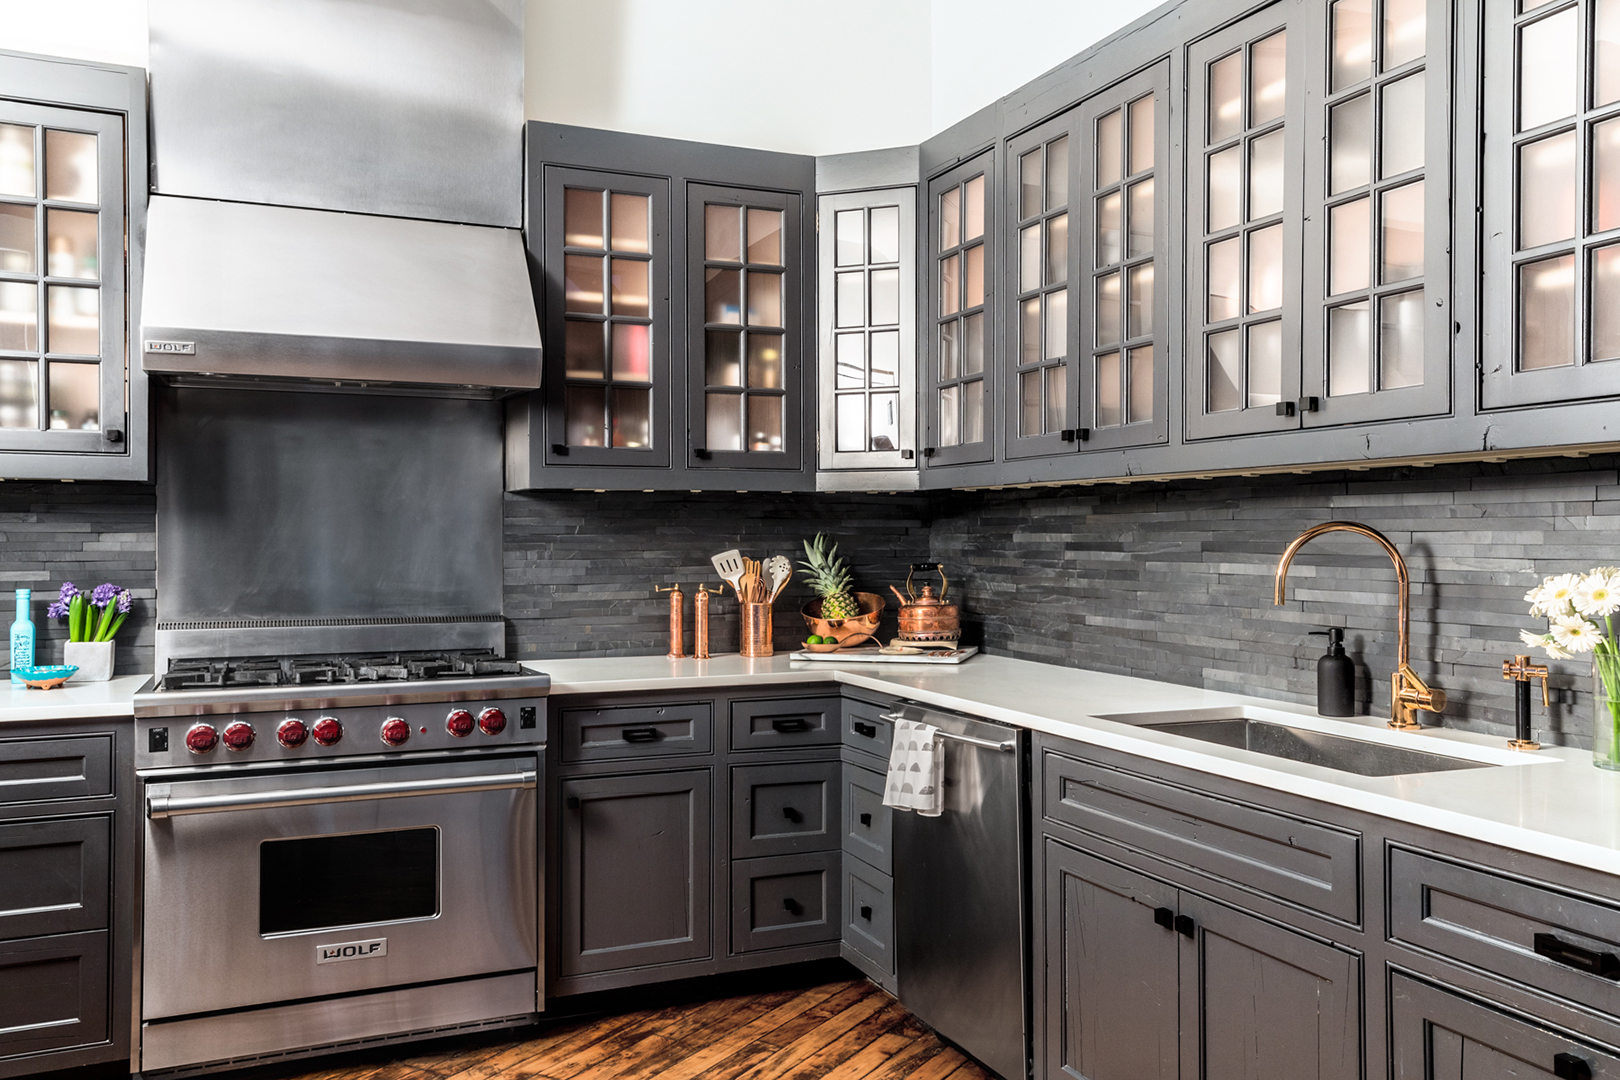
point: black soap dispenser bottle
(1335, 677)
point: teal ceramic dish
(46, 678)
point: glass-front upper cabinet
(960, 269)
(1125, 240)
(1552, 202)
(1245, 148)
(743, 336)
(64, 304)
(607, 318)
(1377, 238)
(867, 379)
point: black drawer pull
(868, 730)
(793, 906)
(866, 912)
(791, 725)
(1185, 926)
(866, 819)
(572, 802)
(1570, 1067)
(1603, 964)
(639, 734)
(1164, 917)
(792, 814)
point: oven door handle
(161, 804)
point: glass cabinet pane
(582, 284)
(1265, 364)
(1605, 176)
(1605, 305)
(1141, 135)
(582, 218)
(1547, 313)
(765, 237)
(70, 240)
(1029, 258)
(950, 218)
(1057, 243)
(1224, 374)
(722, 360)
(630, 287)
(885, 234)
(70, 167)
(722, 296)
(973, 344)
(885, 422)
(849, 299)
(1349, 241)
(1401, 229)
(1110, 406)
(1225, 279)
(1268, 78)
(1350, 144)
(765, 422)
(1110, 238)
(1400, 340)
(764, 299)
(950, 285)
(973, 209)
(973, 411)
(74, 325)
(950, 415)
(849, 244)
(722, 233)
(1547, 170)
(765, 361)
(973, 283)
(19, 316)
(1266, 269)
(1029, 174)
(886, 358)
(1400, 142)
(584, 408)
(17, 173)
(631, 222)
(1110, 148)
(1405, 27)
(1266, 175)
(1139, 306)
(19, 393)
(632, 421)
(1226, 97)
(1057, 393)
(632, 352)
(1606, 53)
(849, 352)
(724, 430)
(17, 240)
(1549, 69)
(849, 423)
(1349, 349)
(1029, 403)
(1139, 237)
(1351, 27)
(1140, 386)
(885, 297)
(1057, 324)
(1029, 332)
(1107, 319)
(1057, 173)
(950, 351)
(1225, 178)
(583, 349)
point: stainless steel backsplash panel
(405, 107)
(276, 509)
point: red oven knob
(327, 731)
(238, 736)
(459, 723)
(202, 738)
(292, 733)
(395, 731)
(492, 721)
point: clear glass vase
(1606, 711)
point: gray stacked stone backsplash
(86, 533)
(1174, 581)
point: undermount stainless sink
(1360, 756)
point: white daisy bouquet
(1574, 605)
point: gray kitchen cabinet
(73, 177)
(959, 320)
(635, 870)
(1437, 1034)
(868, 934)
(67, 826)
(676, 292)
(785, 900)
(781, 809)
(868, 342)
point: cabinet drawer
(868, 824)
(53, 876)
(1436, 1034)
(785, 723)
(869, 914)
(1301, 862)
(635, 731)
(1563, 944)
(785, 900)
(53, 993)
(73, 767)
(866, 730)
(782, 809)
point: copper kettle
(928, 617)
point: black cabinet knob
(1570, 1067)
(1165, 917)
(572, 802)
(866, 819)
(792, 814)
(866, 912)
(113, 435)
(1185, 926)
(793, 906)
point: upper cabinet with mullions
(672, 282)
(72, 180)
(959, 392)
(1319, 198)
(1551, 182)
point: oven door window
(321, 882)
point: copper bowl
(840, 629)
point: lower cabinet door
(1259, 1001)
(1438, 1035)
(634, 870)
(53, 993)
(869, 919)
(785, 900)
(1108, 1006)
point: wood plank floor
(846, 1029)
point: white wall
(980, 51)
(111, 31)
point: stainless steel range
(337, 849)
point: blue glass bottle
(22, 636)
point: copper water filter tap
(700, 621)
(677, 620)
(1520, 671)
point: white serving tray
(869, 654)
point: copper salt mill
(700, 621)
(677, 619)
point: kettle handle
(927, 568)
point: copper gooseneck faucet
(1407, 692)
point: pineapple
(828, 575)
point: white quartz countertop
(1551, 803)
(73, 701)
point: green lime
(813, 639)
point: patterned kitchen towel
(916, 769)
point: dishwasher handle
(1005, 746)
(160, 804)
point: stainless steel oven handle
(161, 804)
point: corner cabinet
(676, 292)
(73, 401)
(959, 395)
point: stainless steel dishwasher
(960, 898)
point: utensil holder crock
(755, 634)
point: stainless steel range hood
(337, 189)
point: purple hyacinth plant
(85, 621)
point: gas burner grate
(210, 673)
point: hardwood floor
(847, 1029)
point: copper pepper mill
(677, 619)
(1520, 671)
(700, 621)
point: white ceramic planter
(94, 659)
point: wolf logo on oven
(351, 950)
